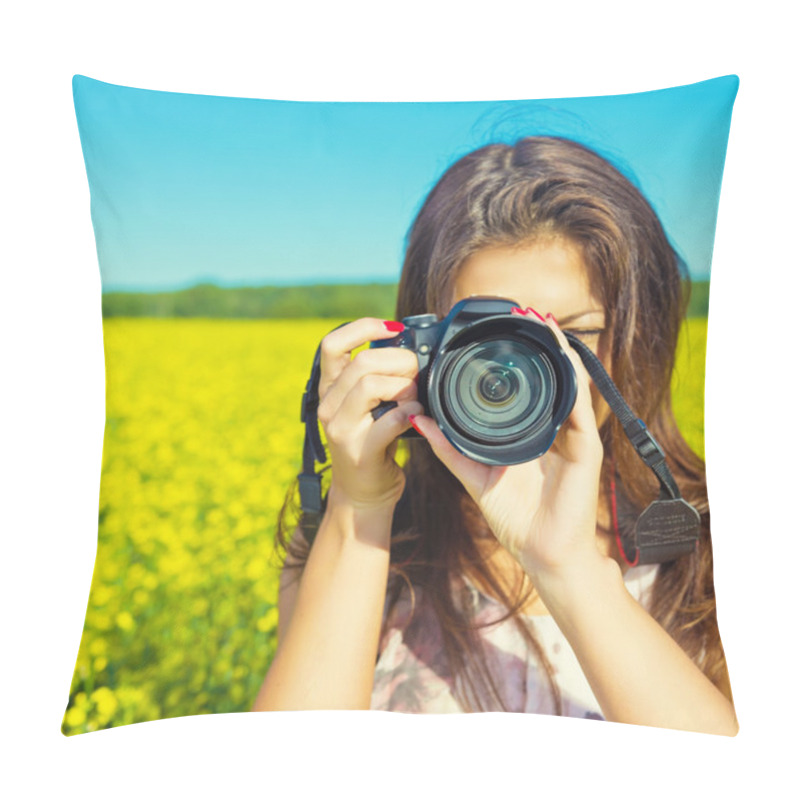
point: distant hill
(698, 299)
(284, 302)
(277, 302)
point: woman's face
(548, 275)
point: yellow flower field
(202, 440)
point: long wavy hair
(504, 195)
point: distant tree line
(283, 302)
(698, 299)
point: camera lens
(498, 389)
(498, 385)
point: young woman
(449, 585)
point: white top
(411, 674)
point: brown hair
(507, 195)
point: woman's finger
(393, 361)
(578, 440)
(384, 431)
(336, 347)
(472, 474)
(580, 429)
(582, 416)
(354, 414)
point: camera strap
(309, 480)
(667, 529)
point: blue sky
(191, 188)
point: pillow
(232, 235)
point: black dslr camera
(500, 386)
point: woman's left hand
(544, 512)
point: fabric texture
(411, 674)
(232, 235)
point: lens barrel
(501, 388)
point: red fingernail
(534, 311)
(394, 327)
(516, 310)
(550, 316)
(411, 418)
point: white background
(53, 385)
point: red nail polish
(394, 327)
(516, 310)
(534, 311)
(411, 418)
(550, 316)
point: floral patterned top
(411, 674)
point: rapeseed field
(202, 440)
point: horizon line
(307, 285)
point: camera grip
(382, 408)
(388, 405)
(407, 339)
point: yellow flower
(200, 607)
(101, 595)
(136, 575)
(256, 569)
(269, 621)
(150, 581)
(98, 646)
(140, 597)
(106, 703)
(75, 717)
(125, 621)
(98, 620)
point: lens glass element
(498, 389)
(498, 385)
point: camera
(499, 385)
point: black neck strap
(640, 437)
(309, 480)
(668, 528)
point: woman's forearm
(637, 672)
(326, 659)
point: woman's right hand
(364, 474)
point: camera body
(499, 385)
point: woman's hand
(364, 474)
(543, 511)
(326, 655)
